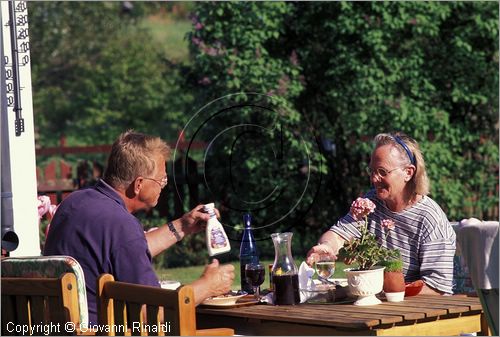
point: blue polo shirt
(93, 226)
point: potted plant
(367, 279)
(394, 280)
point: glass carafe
(285, 273)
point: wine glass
(325, 268)
(255, 274)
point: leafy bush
(347, 71)
(96, 73)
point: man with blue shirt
(97, 228)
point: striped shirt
(422, 234)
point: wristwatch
(174, 231)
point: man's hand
(195, 220)
(216, 280)
(192, 222)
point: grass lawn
(188, 274)
(170, 34)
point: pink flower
(196, 40)
(194, 19)
(205, 81)
(47, 209)
(257, 53)
(283, 84)
(361, 207)
(43, 205)
(367, 250)
(293, 58)
(387, 223)
(52, 211)
(198, 26)
(302, 79)
(211, 51)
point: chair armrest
(215, 332)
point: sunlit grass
(187, 275)
(170, 35)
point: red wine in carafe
(286, 289)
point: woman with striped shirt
(422, 231)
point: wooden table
(418, 316)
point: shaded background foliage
(333, 75)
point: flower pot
(394, 286)
(365, 284)
(395, 296)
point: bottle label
(217, 238)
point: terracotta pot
(394, 282)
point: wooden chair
(35, 303)
(49, 267)
(478, 243)
(122, 306)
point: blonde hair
(132, 155)
(419, 183)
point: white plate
(169, 284)
(340, 281)
(225, 300)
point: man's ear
(133, 188)
(137, 185)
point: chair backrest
(462, 283)
(49, 267)
(123, 306)
(478, 243)
(34, 303)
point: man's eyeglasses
(162, 182)
(379, 171)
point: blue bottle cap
(247, 219)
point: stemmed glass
(325, 269)
(255, 274)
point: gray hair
(419, 183)
(132, 155)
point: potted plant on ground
(394, 280)
(367, 279)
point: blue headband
(405, 147)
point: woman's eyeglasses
(379, 171)
(162, 182)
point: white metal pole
(21, 144)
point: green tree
(350, 70)
(95, 73)
(428, 69)
(266, 157)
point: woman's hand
(319, 252)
